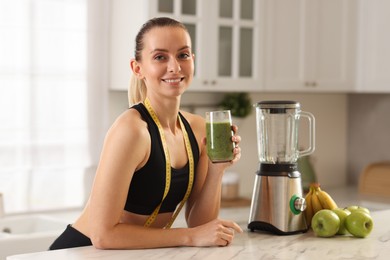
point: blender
(277, 201)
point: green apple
(325, 223)
(359, 223)
(342, 214)
(353, 208)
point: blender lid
(278, 106)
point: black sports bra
(147, 186)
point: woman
(147, 143)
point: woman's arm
(204, 202)
(126, 149)
(123, 152)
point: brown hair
(137, 87)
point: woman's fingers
(217, 232)
(236, 139)
(227, 232)
(235, 128)
(231, 226)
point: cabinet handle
(310, 84)
(206, 82)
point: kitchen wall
(369, 132)
(330, 110)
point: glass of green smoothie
(219, 136)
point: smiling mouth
(173, 80)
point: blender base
(267, 227)
(274, 205)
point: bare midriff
(162, 219)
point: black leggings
(71, 237)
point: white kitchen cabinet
(226, 34)
(373, 70)
(310, 45)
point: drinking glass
(219, 136)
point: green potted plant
(239, 104)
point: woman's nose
(174, 66)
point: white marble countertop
(252, 245)
(344, 196)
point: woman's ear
(135, 67)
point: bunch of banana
(317, 199)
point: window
(44, 139)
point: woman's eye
(159, 57)
(184, 55)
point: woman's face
(167, 63)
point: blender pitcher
(277, 131)
(277, 202)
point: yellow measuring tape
(154, 214)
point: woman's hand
(236, 152)
(217, 232)
(205, 200)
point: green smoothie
(219, 141)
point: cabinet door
(309, 45)
(235, 37)
(332, 44)
(286, 36)
(373, 66)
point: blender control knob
(297, 204)
(300, 204)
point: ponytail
(137, 90)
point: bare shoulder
(127, 134)
(128, 128)
(196, 122)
